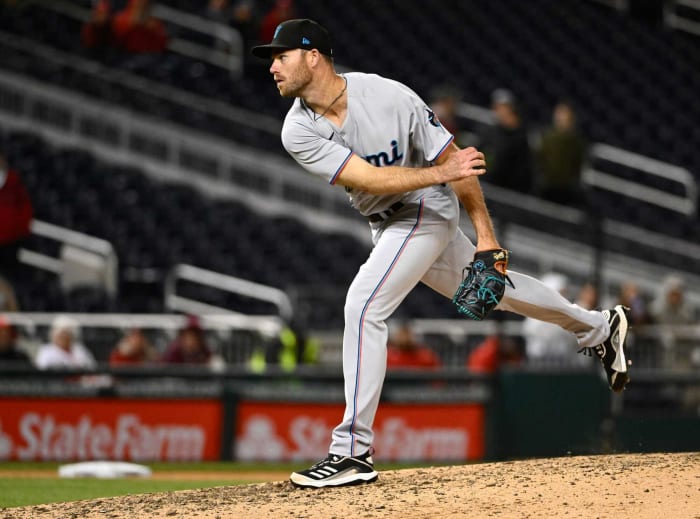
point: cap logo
(277, 31)
(305, 41)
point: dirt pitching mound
(639, 486)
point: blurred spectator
(244, 19)
(547, 343)
(494, 352)
(630, 296)
(64, 349)
(133, 348)
(560, 158)
(506, 146)
(96, 33)
(443, 101)
(16, 214)
(8, 345)
(293, 346)
(219, 11)
(190, 346)
(404, 351)
(588, 296)
(8, 300)
(136, 30)
(241, 16)
(281, 10)
(670, 306)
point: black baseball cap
(297, 34)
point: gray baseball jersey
(387, 123)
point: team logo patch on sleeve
(432, 118)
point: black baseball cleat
(611, 351)
(336, 471)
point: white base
(103, 470)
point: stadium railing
(82, 259)
(682, 15)
(686, 204)
(243, 287)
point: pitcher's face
(291, 72)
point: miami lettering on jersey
(383, 158)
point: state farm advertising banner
(275, 431)
(110, 429)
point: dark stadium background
(174, 159)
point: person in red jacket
(190, 345)
(493, 352)
(16, 214)
(405, 352)
(281, 11)
(133, 349)
(135, 30)
(96, 33)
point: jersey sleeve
(427, 133)
(319, 156)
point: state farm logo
(396, 440)
(43, 437)
(259, 441)
(307, 438)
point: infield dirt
(641, 486)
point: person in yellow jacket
(292, 347)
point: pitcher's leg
(530, 297)
(400, 258)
